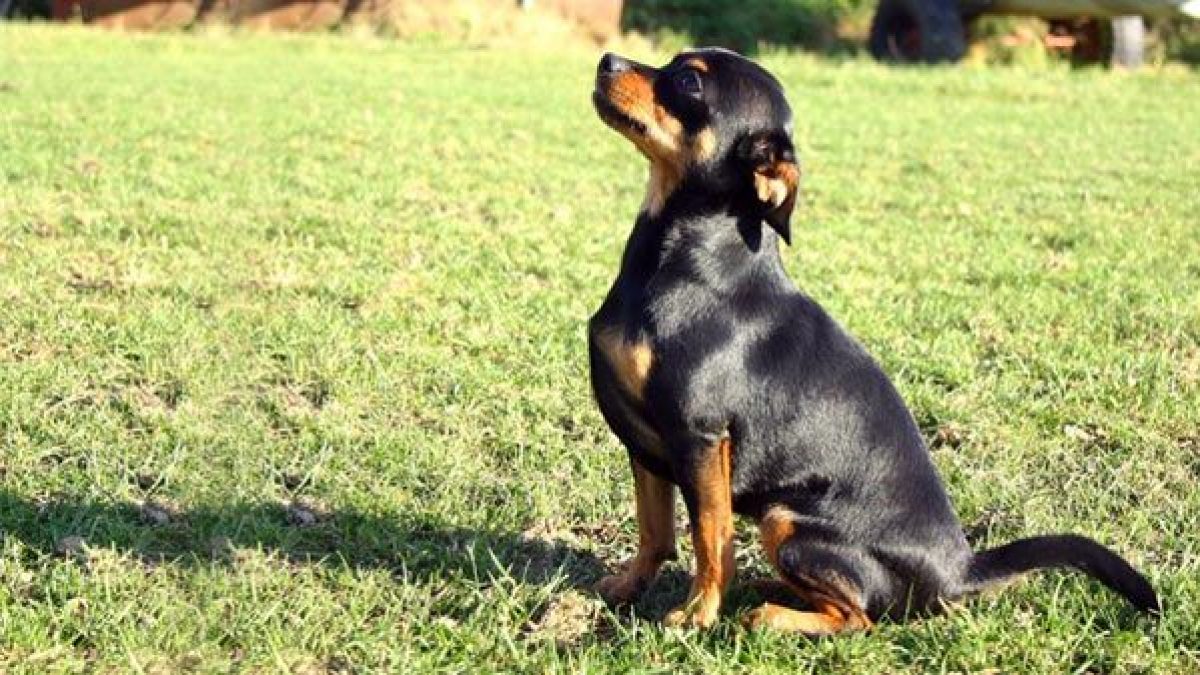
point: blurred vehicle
(934, 31)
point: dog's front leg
(656, 538)
(705, 480)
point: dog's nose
(611, 64)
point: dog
(723, 380)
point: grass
(292, 361)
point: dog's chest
(625, 364)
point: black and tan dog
(723, 380)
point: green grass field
(293, 371)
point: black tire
(917, 31)
(1129, 42)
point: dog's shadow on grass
(299, 534)
(413, 550)
(396, 542)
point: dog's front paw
(621, 589)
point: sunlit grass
(292, 361)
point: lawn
(293, 368)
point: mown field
(292, 356)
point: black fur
(815, 423)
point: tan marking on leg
(778, 617)
(834, 598)
(655, 505)
(831, 614)
(712, 537)
(839, 598)
(776, 526)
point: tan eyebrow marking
(698, 64)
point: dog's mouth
(612, 115)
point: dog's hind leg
(828, 582)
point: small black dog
(721, 378)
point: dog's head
(708, 115)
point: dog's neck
(663, 180)
(693, 231)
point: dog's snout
(611, 64)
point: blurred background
(1125, 33)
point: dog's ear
(770, 161)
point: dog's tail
(998, 565)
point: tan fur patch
(632, 94)
(712, 538)
(631, 361)
(774, 187)
(655, 505)
(664, 178)
(663, 142)
(672, 126)
(655, 516)
(704, 145)
(776, 526)
(835, 598)
(826, 621)
(698, 64)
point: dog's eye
(688, 82)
